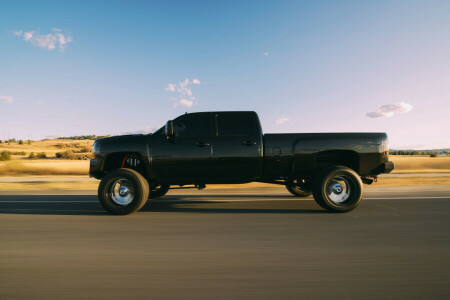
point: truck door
(188, 154)
(237, 146)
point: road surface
(226, 244)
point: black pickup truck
(229, 148)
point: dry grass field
(21, 165)
(50, 147)
(420, 164)
(48, 167)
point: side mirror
(168, 130)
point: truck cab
(209, 147)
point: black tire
(159, 191)
(338, 189)
(298, 191)
(123, 191)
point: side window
(196, 125)
(234, 124)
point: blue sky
(114, 67)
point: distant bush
(41, 155)
(29, 142)
(83, 150)
(15, 152)
(69, 154)
(86, 156)
(5, 156)
(62, 145)
(433, 155)
(20, 142)
(66, 154)
(32, 155)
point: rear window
(234, 124)
(196, 125)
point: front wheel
(123, 191)
(338, 189)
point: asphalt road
(227, 244)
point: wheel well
(124, 160)
(346, 158)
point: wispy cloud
(267, 53)
(184, 93)
(390, 110)
(6, 99)
(50, 41)
(281, 120)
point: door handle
(249, 143)
(202, 144)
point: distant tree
(32, 155)
(82, 137)
(20, 142)
(42, 155)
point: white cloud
(390, 110)
(187, 103)
(267, 53)
(28, 35)
(6, 99)
(184, 96)
(281, 120)
(49, 41)
(171, 87)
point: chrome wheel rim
(122, 192)
(338, 189)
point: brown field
(50, 167)
(21, 166)
(50, 147)
(420, 164)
